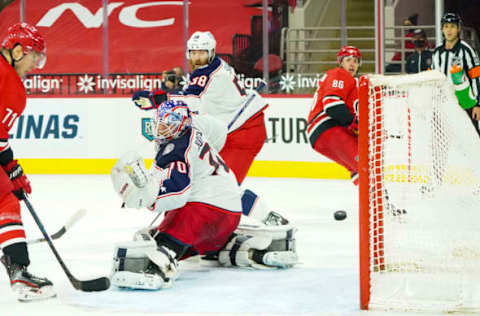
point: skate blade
(29, 294)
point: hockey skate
(26, 286)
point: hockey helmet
(450, 17)
(202, 41)
(171, 120)
(346, 51)
(29, 38)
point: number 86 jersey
(190, 170)
(334, 103)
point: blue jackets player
(202, 203)
(213, 88)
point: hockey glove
(147, 100)
(19, 179)
(353, 127)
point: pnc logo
(126, 16)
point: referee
(455, 51)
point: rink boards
(86, 135)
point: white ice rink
(325, 283)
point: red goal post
(419, 196)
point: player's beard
(192, 65)
(196, 65)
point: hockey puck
(340, 215)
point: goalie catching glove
(131, 180)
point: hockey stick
(245, 105)
(151, 224)
(70, 222)
(99, 284)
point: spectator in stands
(397, 67)
(171, 79)
(421, 59)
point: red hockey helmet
(28, 36)
(346, 51)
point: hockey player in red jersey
(332, 121)
(23, 50)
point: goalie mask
(171, 120)
(202, 41)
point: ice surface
(325, 283)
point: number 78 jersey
(190, 170)
(215, 90)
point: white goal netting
(424, 196)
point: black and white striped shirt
(443, 59)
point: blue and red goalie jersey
(334, 103)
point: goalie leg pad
(141, 264)
(137, 281)
(239, 251)
(283, 236)
(261, 247)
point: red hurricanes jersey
(334, 103)
(12, 100)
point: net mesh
(424, 196)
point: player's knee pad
(142, 264)
(261, 246)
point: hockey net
(419, 196)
